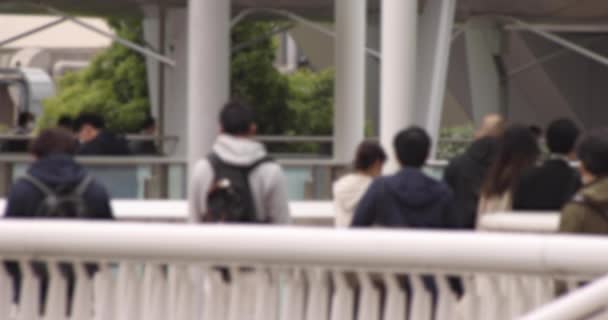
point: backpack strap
(258, 163)
(48, 192)
(82, 187)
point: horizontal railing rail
(280, 246)
(302, 212)
(533, 222)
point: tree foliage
(114, 85)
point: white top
(347, 192)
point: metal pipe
(563, 42)
(580, 304)
(292, 16)
(124, 42)
(370, 249)
(32, 31)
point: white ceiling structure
(571, 10)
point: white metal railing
(531, 222)
(590, 302)
(152, 271)
(302, 212)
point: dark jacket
(547, 187)
(407, 199)
(59, 172)
(465, 175)
(105, 144)
(588, 211)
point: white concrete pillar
(399, 31)
(208, 73)
(435, 39)
(349, 95)
(483, 42)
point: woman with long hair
(517, 151)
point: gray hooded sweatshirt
(267, 182)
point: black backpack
(230, 198)
(61, 203)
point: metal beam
(299, 19)
(563, 42)
(32, 31)
(548, 57)
(124, 42)
(566, 28)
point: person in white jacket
(235, 146)
(349, 189)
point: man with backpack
(238, 182)
(55, 187)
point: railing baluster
(56, 298)
(468, 308)
(215, 296)
(154, 293)
(421, 299)
(105, 293)
(82, 303)
(6, 292)
(129, 290)
(242, 293)
(395, 303)
(295, 292)
(343, 300)
(317, 304)
(29, 301)
(446, 299)
(369, 298)
(492, 297)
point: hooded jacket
(347, 192)
(588, 212)
(407, 199)
(105, 144)
(58, 172)
(267, 182)
(465, 175)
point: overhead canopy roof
(584, 10)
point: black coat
(547, 187)
(407, 199)
(105, 144)
(465, 175)
(58, 172)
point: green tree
(255, 80)
(114, 85)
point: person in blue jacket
(409, 198)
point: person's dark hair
(412, 147)
(368, 153)
(148, 123)
(54, 141)
(24, 118)
(65, 122)
(537, 131)
(562, 135)
(236, 118)
(91, 119)
(517, 150)
(592, 151)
